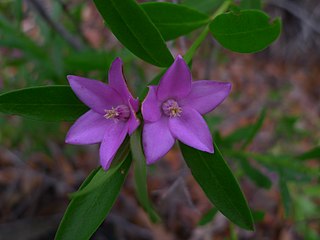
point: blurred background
(42, 41)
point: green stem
(189, 54)
(233, 234)
(224, 7)
(191, 51)
(140, 175)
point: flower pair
(172, 110)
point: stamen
(171, 108)
(121, 112)
(112, 113)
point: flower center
(121, 112)
(171, 108)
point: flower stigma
(171, 108)
(121, 112)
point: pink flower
(172, 110)
(112, 114)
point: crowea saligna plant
(170, 109)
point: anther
(171, 108)
(121, 112)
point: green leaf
(206, 6)
(217, 181)
(134, 29)
(174, 20)
(191, 51)
(83, 61)
(12, 37)
(311, 154)
(154, 81)
(245, 134)
(86, 212)
(255, 129)
(89, 178)
(208, 217)
(254, 174)
(235, 9)
(245, 32)
(18, 11)
(294, 169)
(258, 216)
(50, 103)
(122, 153)
(140, 175)
(285, 194)
(238, 135)
(187, 57)
(250, 4)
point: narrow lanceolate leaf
(237, 136)
(101, 176)
(82, 61)
(140, 175)
(86, 212)
(285, 194)
(51, 103)
(247, 133)
(311, 154)
(208, 216)
(254, 174)
(246, 31)
(258, 216)
(174, 20)
(11, 37)
(217, 181)
(134, 29)
(255, 129)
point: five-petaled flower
(172, 110)
(112, 114)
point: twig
(72, 40)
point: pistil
(119, 113)
(171, 108)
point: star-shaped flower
(112, 114)
(172, 110)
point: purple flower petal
(117, 80)
(133, 121)
(95, 94)
(151, 107)
(206, 95)
(157, 140)
(191, 129)
(88, 129)
(113, 138)
(134, 103)
(176, 82)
